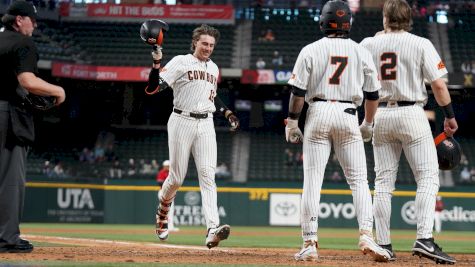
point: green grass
(259, 237)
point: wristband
(448, 111)
(294, 116)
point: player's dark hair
(204, 30)
(8, 20)
(398, 15)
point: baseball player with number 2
(404, 61)
(193, 79)
(333, 75)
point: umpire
(18, 69)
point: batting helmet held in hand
(335, 17)
(151, 31)
(449, 152)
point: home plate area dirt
(107, 251)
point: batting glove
(292, 132)
(157, 54)
(234, 121)
(366, 130)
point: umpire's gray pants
(12, 182)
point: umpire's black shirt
(17, 54)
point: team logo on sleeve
(441, 65)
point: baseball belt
(191, 114)
(399, 103)
(317, 99)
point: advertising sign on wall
(87, 203)
(74, 205)
(100, 73)
(188, 209)
(284, 209)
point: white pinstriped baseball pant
(396, 129)
(328, 124)
(185, 135)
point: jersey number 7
(342, 62)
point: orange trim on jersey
(441, 65)
(338, 70)
(153, 92)
(440, 138)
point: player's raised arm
(151, 32)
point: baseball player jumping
(404, 60)
(193, 79)
(333, 75)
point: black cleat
(24, 246)
(427, 248)
(389, 249)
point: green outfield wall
(130, 204)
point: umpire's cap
(151, 31)
(335, 17)
(449, 152)
(23, 8)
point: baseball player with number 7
(404, 60)
(333, 75)
(194, 81)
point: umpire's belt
(396, 104)
(191, 114)
(317, 99)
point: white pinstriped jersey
(335, 69)
(194, 83)
(403, 61)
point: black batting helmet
(335, 17)
(151, 31)
(449, 152)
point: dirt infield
(90, 250)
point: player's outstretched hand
(450, 126)
(157, 53)
(234, 121)
(366, 130)
(292, 131)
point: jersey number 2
(388, 66)
(342, 62)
